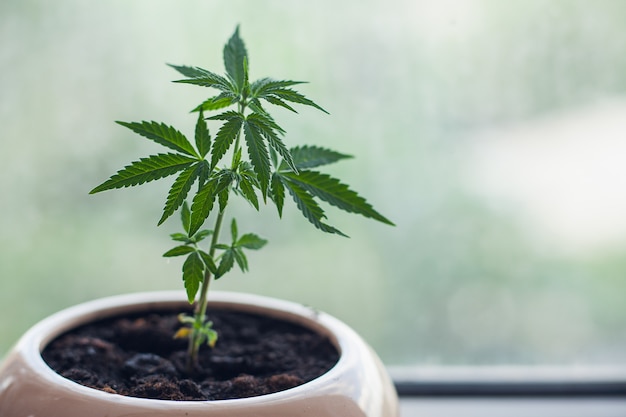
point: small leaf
(247, 190)
(235, 57)
(193, 274)
(203, 139)
(266, 126)
(179, 190)
(145, 170)
(334, 192)
(178, 251)
(309, 208)
(185, 216)
(257, 151)
(305, 157)
(202, 205)
(218, 102)
(226, 136)
(251, 241)
(260, 88)
(241, 259)
(293, 96)
(233, 230)
(182, 333)
(163, 135)
(226, 263)
(208, 261)
(277, 193)
(201, 235)
(179, 237)
(204, 78)
(278, 102)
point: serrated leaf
(233, 230)
(235, 57)
(178, 251)
(201, 235)
(278, 102)
(145, 170)
(208, 261)
(251, 241)
(163, 135)
(263, 86)
(226, 263)
(202, 136)
(306, 157)
(180, 237)
(241, 259)
(266, 126)
(293, 96)
(193, 274)
(202, 205)
(218, 102)
(226, 136)
(334, 192)
(204, 78)
(309, 208)
(257, 151)
(277, 193)
(185, 216)
(179, 190)
(247, 190)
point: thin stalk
(201, 306)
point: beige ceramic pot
(356, 386)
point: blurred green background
(493, 133)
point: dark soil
(137, 356)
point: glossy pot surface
(357, 386)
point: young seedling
(257, 160)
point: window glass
(492, 133)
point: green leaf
(266, 126)
(277, 193)
(185, 216)
(278, 102)
(246, 186)
(179, 190)
(250, 241)
(305, 157)
(218, 102)
(201, 235)
(260, 88)
(293, 96)
(204, 78)
(309, 208)
(257, 151)
(164, 135)
(145, 170)
(241, 259)
(203, 139)
(202, 205)
(226, 136)
(178, 251)
(235, 57)
(208, 261)
(226, 263)
(193, 274)
(334, 192)
(233, 230)
(180, 237)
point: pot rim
(36, 339)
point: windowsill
(511, 391)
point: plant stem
(201, 306)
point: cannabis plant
(245, 158)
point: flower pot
(357, 385)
